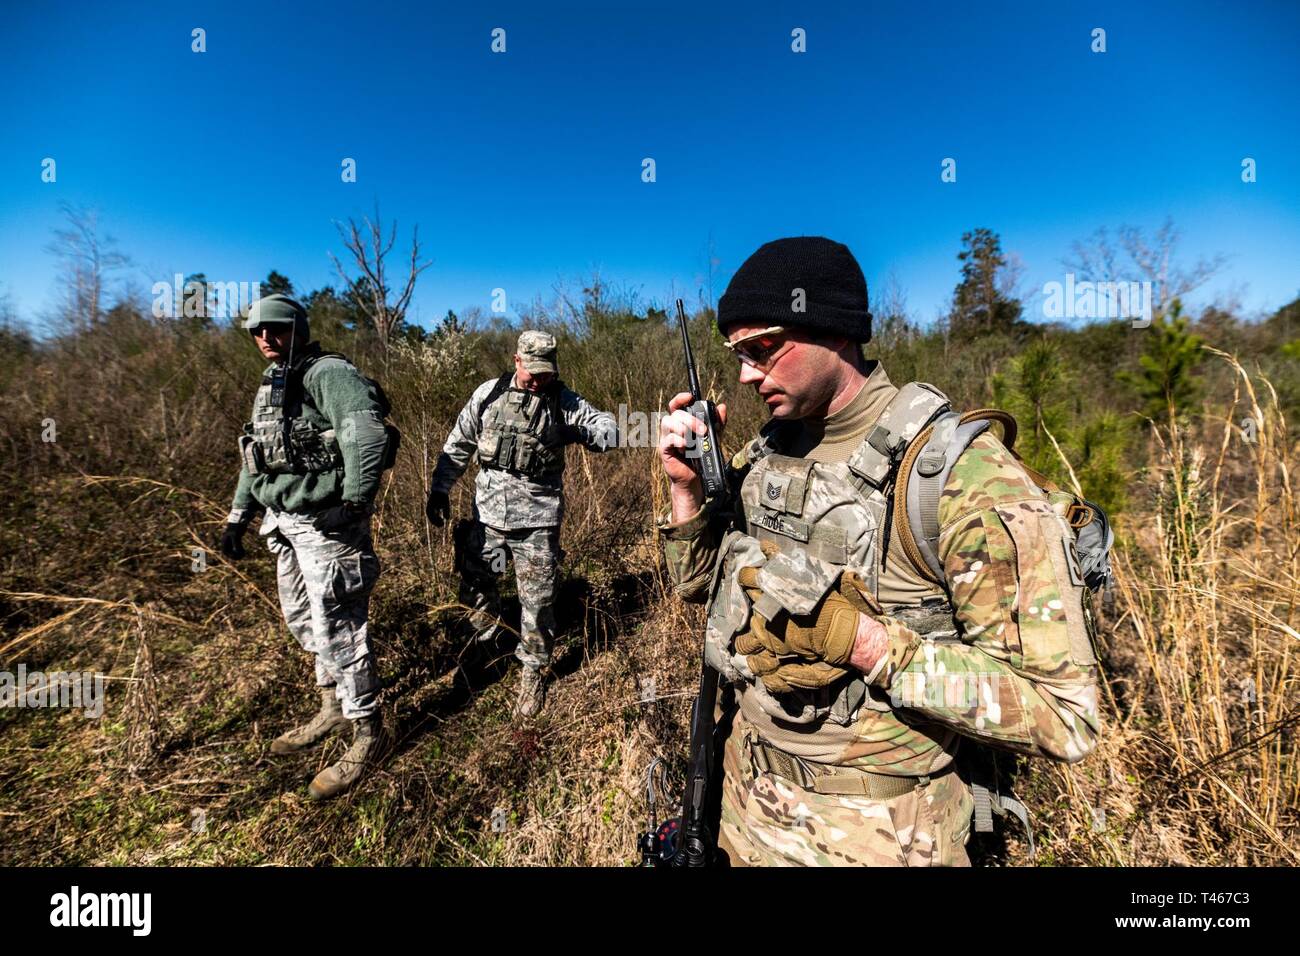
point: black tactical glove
(571, 434)
(232, 540)
(438, 508)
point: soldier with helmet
(312, 458)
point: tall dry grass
(1197, 765)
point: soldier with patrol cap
(312, 457)
(517, 428)
(857, 673)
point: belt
(822, 778)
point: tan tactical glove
(784, 675)
(805, 650)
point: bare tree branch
(369, 249)
(87, 258)
(1097, 260)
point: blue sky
(524, 168)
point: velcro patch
(780, 524)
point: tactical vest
(518, 430)
(824, 519)
(280, 439)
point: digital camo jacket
(507, 498)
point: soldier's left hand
(438, 508)
(232, 540)
(783, 675)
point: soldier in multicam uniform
(312, 456)
(857, 680)
(517, 427)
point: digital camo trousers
(536, 555)
(770, 821)
(325, 579)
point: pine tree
(1100, 452)
(275, 282)
(1035, 387)
(1166, 382)
(979, 306)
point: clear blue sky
(525, 167)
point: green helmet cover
(276, 309)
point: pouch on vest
(729, 605)
(489, 446)
(392, 442)
(506, 452)
(250, 453)
(525, 460)
(312, 449)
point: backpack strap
(554, 393)
(498, 389)
(298, 372)
(923, 473)
(309, 361)
(930, 463)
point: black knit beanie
(762, 291)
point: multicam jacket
(505, 498)
(1008, 661)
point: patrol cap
(276, 309)
(537, 351)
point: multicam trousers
(536, 554)
(769, 820)
(325, 578)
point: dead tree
(1097, 260)
(86, 260)
(369, 249)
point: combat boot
(330, 720)
(338, 777)
(532, 692)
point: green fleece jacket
(337, 396)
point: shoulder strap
(906, 415)
(498, 389)
(310, 361)
(555, 392)
(769, 441)
(923, 473)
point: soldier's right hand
(679, 431)
(438, 508)
(829, 633)
(232, 540)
